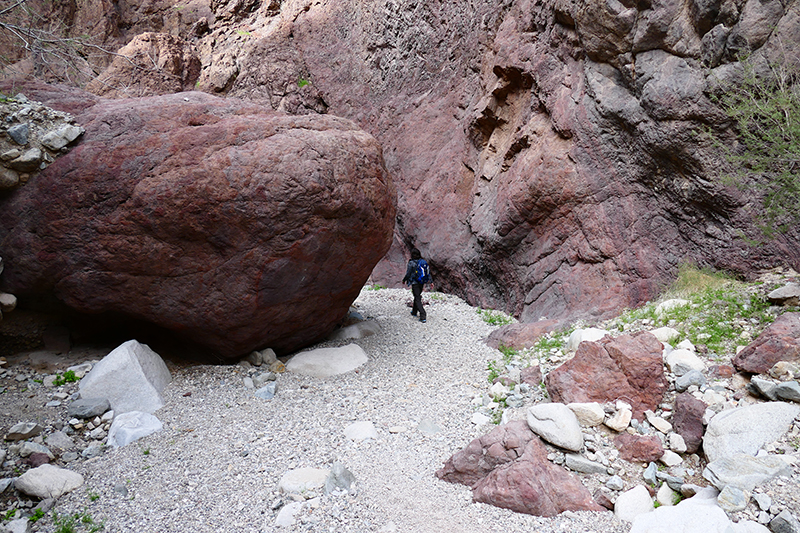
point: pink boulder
(638, 448)
(235, 226)
(687, 420)
(520, 336)
(628, 367)
(779, 342)
(509, 468)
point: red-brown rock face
(235, 226)
(546, 152)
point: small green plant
(302, 82)
(375, 287)
(37, 515)
(9, 514)
(437, 297)
(508, 352)
(146, 451)
(68, 377)
(243, 33)
(93, 496)
(495, 369)
(495, 318)
(67, 523)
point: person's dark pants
(416, 290)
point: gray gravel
(217, 463)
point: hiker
(417, 275)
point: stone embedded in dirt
(747, 429)
(779, 342)
(508, 468)
(326, 362)
(628, 367)
(232, 225)
(638, 448)
(24, 430)
(687, 420)
(131, 426)
(48, 481)
(521, 335)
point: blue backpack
(423, 273)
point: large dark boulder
(235, 226)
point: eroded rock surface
(627, 367)
(235, 226)
(546, 152)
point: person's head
(415, 254)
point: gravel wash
(216, 465)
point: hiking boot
(422, 320)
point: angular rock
(30, 448)
(64, 135)
(339, 478)
(131, 426)
(534, 485)
(620, 420)
(131, 377)
(745, 472)
(60, 440)
(579, 463)
(48, 481)
(8, 302)
(531, 375)
(557, 424)
(788, 295)
(326, 362)
(676, 443)
(785, 522)
(690, 378)
(778, 342)
(763, 387)
(638, 448)
(670, 458)
(24, 430)
(589, 414)
(785, 371)
(788, 391)
(744, 430)
(633, 503)
(520, 335)
(665, 495)
(19, 133)
(268, 391)
(687, 420)
(628, 367)
(733, 499)
(259, 229)
(87, 408)
(681, 361)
